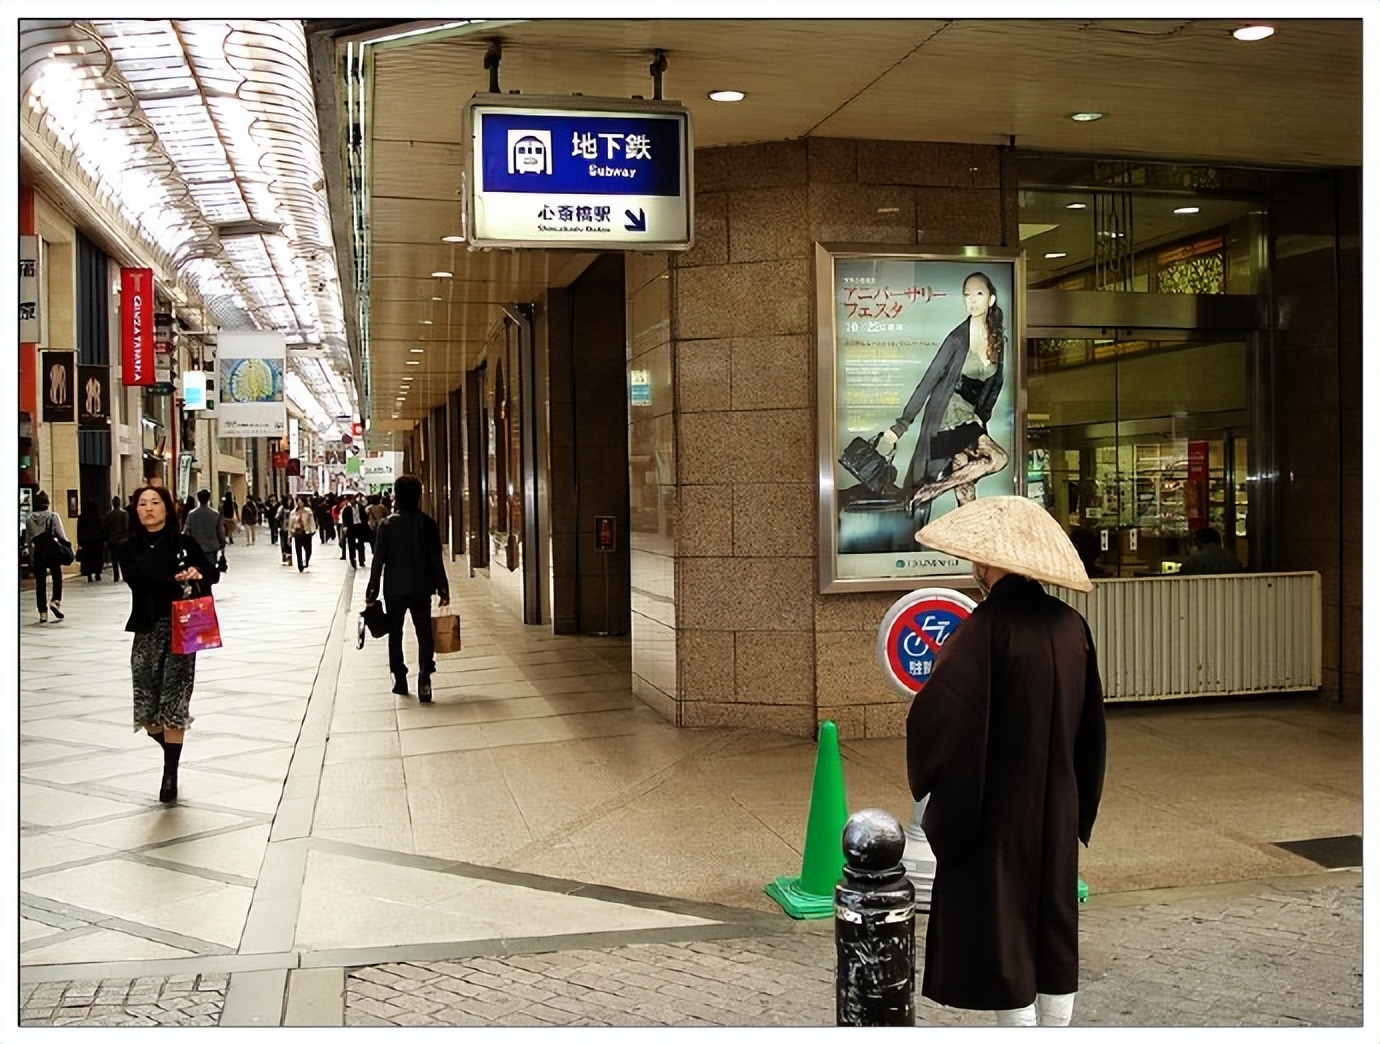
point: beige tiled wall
(729, 627)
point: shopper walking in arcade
(41, 530)
(302, 526)
(407, 559)
(249, 519)
(91, 541)
(160, 566)
(1008, 742)
(116, 533)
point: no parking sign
(913, 630)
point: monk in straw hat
(1007, 739)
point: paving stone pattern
(1284, 956)
(179, 1000)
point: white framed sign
(587, 173)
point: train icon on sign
(529, 152)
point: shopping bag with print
(195, 627)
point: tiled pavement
(340, 855)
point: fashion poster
(919, 378)
(60, 387)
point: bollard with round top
(874, 925)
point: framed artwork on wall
(921, 385)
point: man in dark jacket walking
(1007, 741)
(407, 556)
(116, 533)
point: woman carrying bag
(160, 565)
(46, 554)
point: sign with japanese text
(58, 371)
(912, 633)
(1196, 488)
(381, 469)
(605, 533)
(920, 360)
(93, 398)
(600, 173)
(136, 326)
(29, 327)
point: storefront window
(1142, 442)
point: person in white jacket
(302, 527)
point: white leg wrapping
(1054, 1009)
(1017, 1016)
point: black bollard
(874, 925)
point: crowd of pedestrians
(168, 552)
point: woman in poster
(957, 394)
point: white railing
(1237, 634)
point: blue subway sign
(588, 173)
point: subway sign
(587, 173)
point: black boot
(172, 753)
(424, 689)
(400, 684)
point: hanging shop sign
(249, 384)
(912, 422)
(93, 398)
(381, 469)
(136, 326)
(194, 390)
(59, 387)
(29, 327)
(590, 173)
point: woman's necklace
(154, 543)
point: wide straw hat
(1012, 533)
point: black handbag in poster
(862, 460)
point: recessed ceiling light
(426, 322)
(1054, 254)
(441, 275)
(888, 210)
(414, 362)
(726, 96)
(452, 239)
(437, 297)
(1086, 117)
(416, 351)
(1254, 32)
(1185, 210)
(1076, 206)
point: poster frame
(832, 579)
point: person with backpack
(49, 550)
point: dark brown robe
(1008, 739)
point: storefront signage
(592, 173)
(382, 469)
(136, 326)
(605, 533)
(29, 328)
(912, 632)
(93, 398)
(194, 390)
(1196, 488)
(59, 376)
(917, 408)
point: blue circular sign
(912, 632)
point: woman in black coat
(91, 541)
(160, 564)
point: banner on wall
(381, 469)
(249, 384)
(59, 375)
(919, 361)
(93, 398)
(29, 331)
(136, 326)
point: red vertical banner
(1196, 490)
(136, 325)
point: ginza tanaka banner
(918, 367)
(136, 326)
(249, 370)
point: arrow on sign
(636, 222)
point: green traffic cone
(1083, 891)
(811, 895)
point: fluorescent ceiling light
(441, 275)
(726, 96)
(426, 322)
(1076, 206)
(1254, 32)
(1185, 210)
(1054, 254)
(452, 239)
(437, 297)
(414, 362)
(416, 351)
(1086, 117)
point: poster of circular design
(920, 361)
(251, 380)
